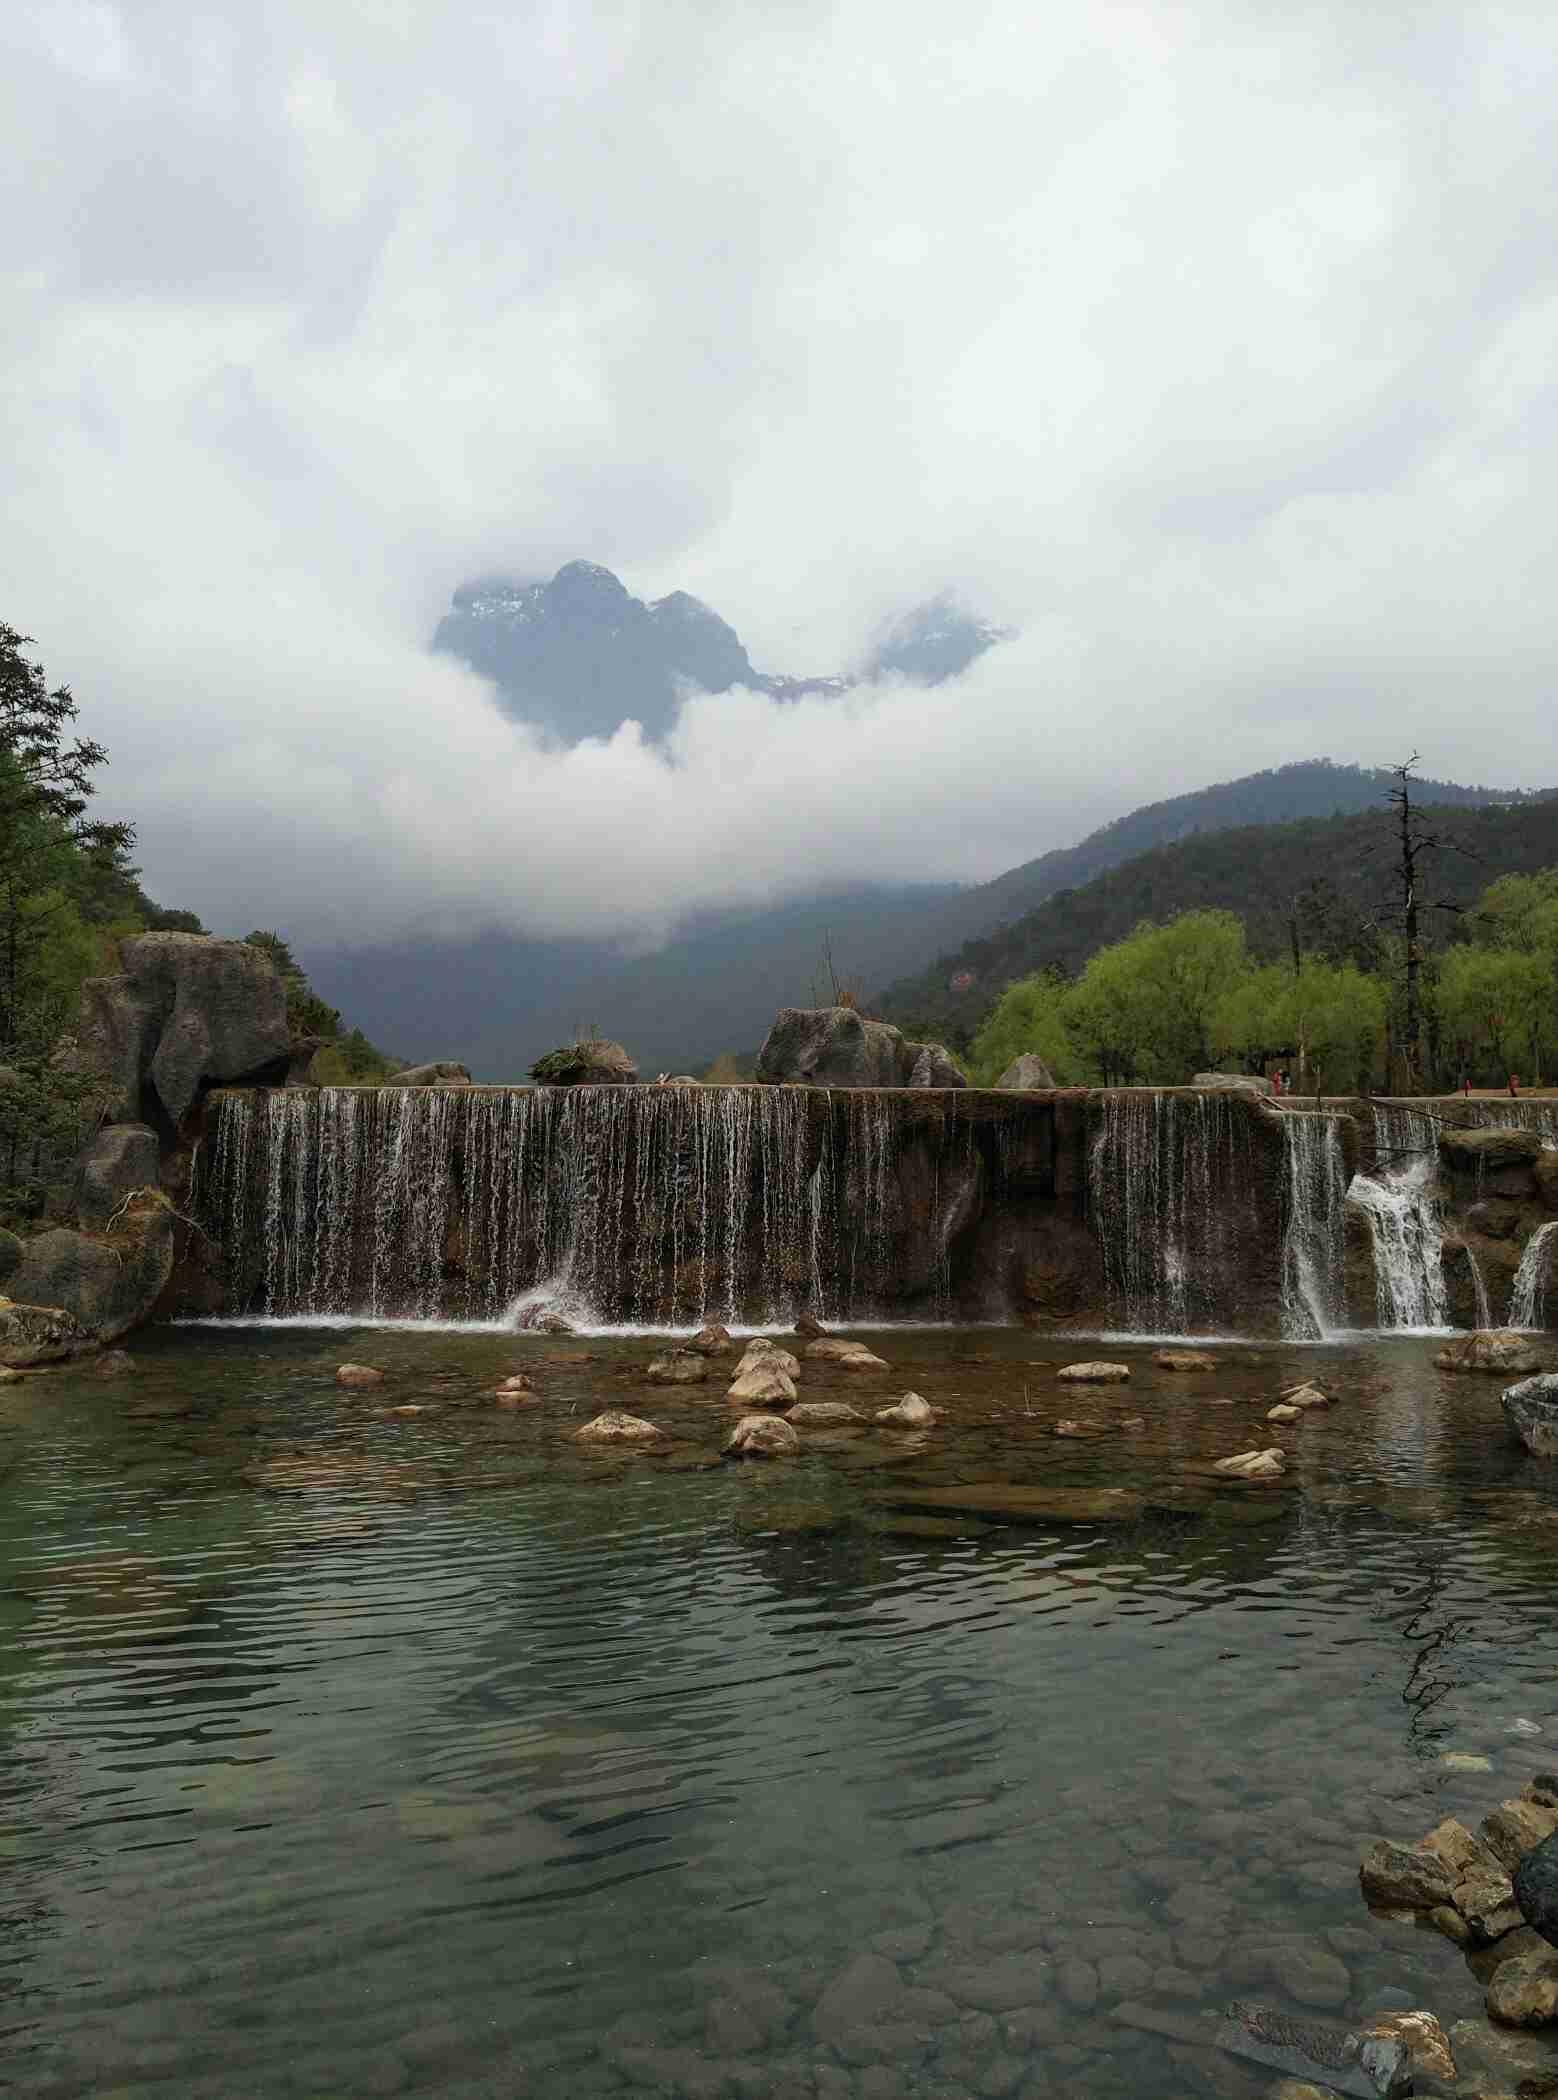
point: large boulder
(440, 1073)
(590, 1061)
(1242, 1082)
(1482, 1151)
(1536, 1889)
(1489, 1349)
(836, 1046)
(1531, 1410)
(186, 1011)
(1027, 1074)
(119, 1160)
(108, 1285)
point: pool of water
(355, 1752)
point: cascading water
(1528, 1298)
(645, 1205)
(1172, 1180)
(1515, 1113)
(1313, 1242)
(1403, 1214)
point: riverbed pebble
(1095, 1373)
(358, 1374)
(911, 1412)
(680, 1367)
(1253, 1465)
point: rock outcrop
(39, 1334)
(1489, 1349)
(441, 1072)
(105, 1285)
(187, 1011)
(836, 1046)
(1026, 1074)
(120, 1159)
(1531, 1410)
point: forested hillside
(1328, 877)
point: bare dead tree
(1414, 840)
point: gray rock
(1027, 1074)
(1372, 2066)
(1524, 1992)
(1536, 1889)
(1243, 1082)
(113, 1363)
(121, 1158)
(680, 1367)
(1531, 1410)
(441, 1072)
(39, 1334)
(106, 1289)
(1467, 1151)
(1392, 1878)
(187, 1010)
(824, 1414)
(1489, 1349)
(615, 1427)
(835, 1046)
(762, 1436)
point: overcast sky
(1211, 345)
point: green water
(445, 1757)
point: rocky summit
(580, 655)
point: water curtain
(641, 1205)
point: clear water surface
(354, 1752)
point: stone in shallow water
(760, 1350)
(712, 1340)
(358, 1374)
(1375, 2067)
(1517, 1827)
(762, 1436)
(1253, 1465)
(1489, 1349)
(1531, 1410)
(822, 1414)
(1427, 2044)
(762, 1384)
(1524, 1991)
(911, 1412)
(680, 1367)
(1095, 1373)
(1003, 1500)
(1392, 1878)
(1185, 1360)
(615, 1427)
(1536, 1889)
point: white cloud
(1210, 345)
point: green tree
(1328, 1018)
(1029, 1016)
(1146, 1008)
(1497, 1007)
(49, 847)
(307, 1013)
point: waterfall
(652, 1206)
(1403, 1215)
(1528, 1298)
(1173, 1182)
(1313, 1244)
(1517, 1114)
(1484, 1311)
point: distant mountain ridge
(1096, 892)
(580, 655)
(498, 1001)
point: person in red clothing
(1514, 1086)
(1466, 1084)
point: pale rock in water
(1284, 1411)
(1253, 1465)
(712, 1340)
(1097, 1373)
(681, 1367)
(862, 1360)
(1303, 1396)
(820, 1414)
(1531, 1410)
(911, 1412)
(762, 1436)
(763, 1384)
(1489, 1349)
(358, 1374)
(832, 1348)
(761, 1350)
(616, 1427)
(1185, 1360)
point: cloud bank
(1211, 346)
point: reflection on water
(444, 1757)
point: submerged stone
(1372, 2066)
(1184, 1360)
(1013, 1504)
(681, 1367)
